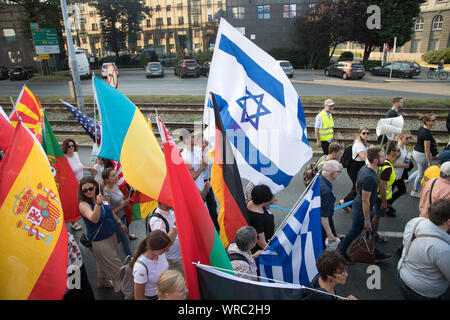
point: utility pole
(393, 55)
(72, 58)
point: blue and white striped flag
(294, 250)
(260, 110)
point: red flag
(6, 133)
(199, 241)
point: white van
(83, 63)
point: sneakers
(382, 257)
(415, 194)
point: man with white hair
(324, 125)
(330, 172)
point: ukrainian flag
(127, 138)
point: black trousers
(352, 172)
(325, 145)
(401, 188)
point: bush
(435, 56)
(296, 56)
(204, 57)
(109, 59)
(143, 60)
(346, 56)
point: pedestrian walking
(335, 152)
(324, 125)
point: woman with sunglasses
(359, 155)
(424, 149)
(401, 166)
(100, 221)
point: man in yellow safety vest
(324, 125)
(386, 178)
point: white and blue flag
(293, 252)
(260, 110)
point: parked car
(187, 67)
(204, 69)
(154, 69)
(345, 70)
(400, 69)
(3, 73)
(105, 69)
(287, 67)
(19, 73)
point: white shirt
(400, 160)
(195, 159)
(156, 223)
(357, 147)
(76, 165)
(151, 275)
(426, 269)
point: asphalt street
(360, 281)
(306, 82)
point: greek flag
(293, 252)
(260, 110)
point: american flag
(87, 123)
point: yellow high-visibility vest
(326, 132)
(391, 180)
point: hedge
(296, 56)
(346, 56)
(435, 56)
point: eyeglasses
(70, 146)
(364, 133)
(87, 189)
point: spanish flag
(127, 138)
(227, 185)
(29, 110)
(33, 255)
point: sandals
(132, 236)
(380, 239)
(76, 227)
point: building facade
(269, 23)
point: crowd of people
(379, 177)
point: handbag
(84, 240)
(363, 250)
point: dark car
(3, 73)
(345, 70)
(401, 69)
(204, 69)
(19, 73)
(187, 67)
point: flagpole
(294, 208)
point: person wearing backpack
(148, 263)
(335, 152)
(358, 160)
(163, 218)
(239, 252)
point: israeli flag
(260, 110)
(293, 252)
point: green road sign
(45, 40)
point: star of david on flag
(260, 109)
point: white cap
(328, 102)
(445, 169)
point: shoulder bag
(363, 250)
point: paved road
(407, 208)
(307, 83)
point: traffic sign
(111, 74)
(45, 40)
(44, 56)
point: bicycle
(435, 73)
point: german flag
(30, 111)
(227, 185)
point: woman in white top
(148, 263)
(359, 155)
(400, 168)
(70, 150)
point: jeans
(357, 228)
(422, 165)
(123, 237)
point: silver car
(287, 68)
(154, 69)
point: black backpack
(347, 158)
(157, 215)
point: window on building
(196, 21)
(433, 44)
(158, 8)
(196, 33)
(97, 40)
(415, 46)
(219, 4)
(437, 23)
(168, 7)
(94, 27)
(237, 13)
(180, 6)
(289, 11)
(210, 18)
(419, 24)
(263, 12)
(159, 21)
(208, 3)
(170, 35)
(197, 46)
(171, 46)
(149, 23)
(91, 13)
(180, 20)
(169, 21)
